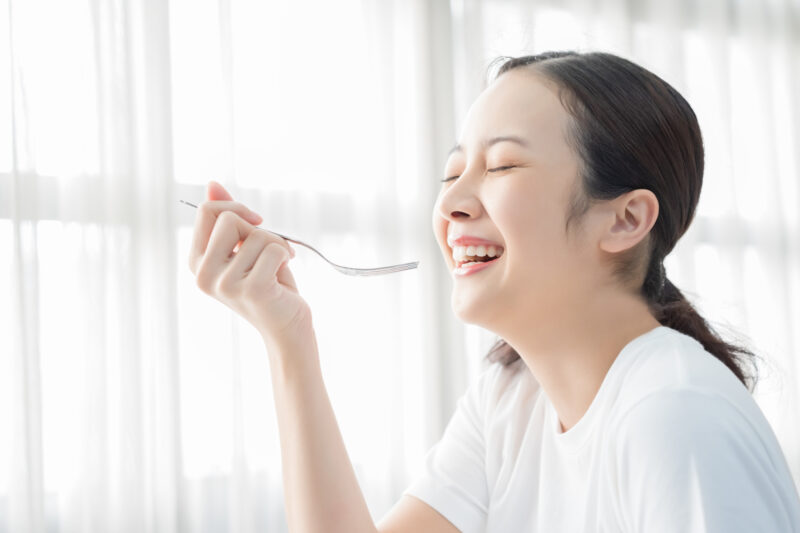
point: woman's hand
(253, 280)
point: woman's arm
(246, 269)
(321, 492)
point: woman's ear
(630, 217)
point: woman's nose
(458, 200)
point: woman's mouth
(471, 259)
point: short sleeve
(691, 461)
(453, 479)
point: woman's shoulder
(675, 387)
(697, 452)
(674, 364)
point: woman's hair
(632, 130)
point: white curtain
(131, 401)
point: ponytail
(672, 309)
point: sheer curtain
(130, 401)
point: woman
(610, 404)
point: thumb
(215, 191)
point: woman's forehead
(517, 103)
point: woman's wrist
(290, 359)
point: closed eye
(498, 169)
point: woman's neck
(570, 355)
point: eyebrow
(494, 140)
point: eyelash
(490, 170)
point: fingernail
(291, 252)
(255, 216)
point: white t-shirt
(672, 442)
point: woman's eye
(498, 169)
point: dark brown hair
(632, 130)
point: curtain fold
(135, 402)
(131, 401)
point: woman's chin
(470, 309)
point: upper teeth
(460, 253)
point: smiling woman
(129, 400)
(611, 404)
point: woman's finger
(207, 214)
(229, 230)
(224, 236)
(215, 191)
(285, 276)
(248, 252)
(269, 264)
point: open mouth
(465, 256)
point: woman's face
(522, 209)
